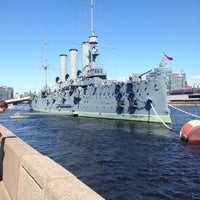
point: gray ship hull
(122, 101)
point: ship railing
(185, 91)
(96, 72)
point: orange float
(191, 131)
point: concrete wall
(25, 174)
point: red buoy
(191, 131)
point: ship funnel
(73, 63)
(86, 55)
(63, 67)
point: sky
(139, 32)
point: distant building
(26, 94)
(178, 80)
(163, 69)
(17, 96)
(6, 92)
(179, 93)
(175, 80)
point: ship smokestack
(86, 55)
(73, 63)
(63, 67)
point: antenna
(45, 66)
(45, 51)
(92, 52)
(92, 5)
(92, 16)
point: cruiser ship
(87, 92)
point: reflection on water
(118, 159)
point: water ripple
(119, 160)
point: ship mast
(45, 66)
(90, 50)
(92, 17)
(93, 38)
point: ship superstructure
(88, 92)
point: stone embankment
(25, 174)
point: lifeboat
(17, 116)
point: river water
(118, 159)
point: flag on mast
(166, 57)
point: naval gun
(140, 76)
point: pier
(27, 174)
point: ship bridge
(96, 72)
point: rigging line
(193, 115)
(154, 110)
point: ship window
(194, 96)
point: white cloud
(197, 77)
